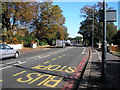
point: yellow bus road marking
(29, 76)
(19, 73)
(55, 68)
(44, 75)
(55, 82)
(54, 58)
(39, 79)
(59, 56)
(46, 62)
(62, 68)
(1, 80)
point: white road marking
(11, 62)
(83, 50)
(35, 57)
(85, 53)
(98, 55)
(1, 64)
(5, 67)
(17, 63)
(47, 55)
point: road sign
(110, 16)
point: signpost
(109, 16)
(104, 42)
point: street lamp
(105, 16)
(104, 42)
(93, 31)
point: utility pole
(93, 31)
(104, 48)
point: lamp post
(104, 42)
(93, 31)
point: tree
(86, 25)
(49, 22)
(43, 20)
(14, 13)
(116, 38)
(111, 31)
(78, 39)
(86, 30)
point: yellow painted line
(54, 58)
(1, 80)
(46, 62)
(59, 56)
(64, 55)
(19, 73)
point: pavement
(91, 79)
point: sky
(71, 12)
(119, 16)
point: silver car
(6, 51)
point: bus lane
(37, 76)
(51, 72)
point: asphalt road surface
(47, 68)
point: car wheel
(16, 55)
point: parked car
(7, 51)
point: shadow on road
(65, 78)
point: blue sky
(71, 11)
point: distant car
(67, 43)
(6, 51)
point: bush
(42, 42)
(38, 42)
(27, 40)
(13, 40)
(116, 38)
(53, 42)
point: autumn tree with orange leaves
(44, 19)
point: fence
(115, 48)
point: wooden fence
(115, 48)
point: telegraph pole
(104, 48)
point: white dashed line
(5, 67)
(16, 63)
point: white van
(60, 43)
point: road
(47, 68)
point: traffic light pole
(104, 48)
